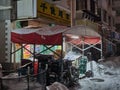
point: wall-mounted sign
(51, 11)
(26, 9)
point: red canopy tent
(38, 35)
(43, 36)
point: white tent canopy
(41, 30)
(82, 30)
(85, 36)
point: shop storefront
(46, 14)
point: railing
(24, 82)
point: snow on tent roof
(45, 35)
(82, 30)
(49, 35)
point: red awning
(46, 35)
(34, 38)
(80, 39)
(86, 40)
(53, 35)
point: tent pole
(101, 48)
(34, 58)
(14, 60)
(11, 53)
(34, 46)
(83, 46)
(21, 52)
(61, 58)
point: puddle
(97, 80)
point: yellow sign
(51, 11)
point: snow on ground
(103, 83)
(106, 76)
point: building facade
(102, 18)
(5, 16)
(116, 7)
(107, 23)
(98, 13)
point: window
(118, 12)
(109, 2)
(55, 0)
(104, 16)
(99, 12)
(109, 20)
(92, 6)
(81, 4)
(118, 26)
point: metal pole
(28, 78)
(1, 84)
(34, 58)
(21, 52)
(91, 64)
(101, 48)
(14, 60)
(11, 53)
(61, 58)
(71, 4)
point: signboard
(26, 9)
(51, 11)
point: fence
(24, 82)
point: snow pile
(57, 86)
(112, 65)
(106, 75)
(109, 67)
(72, 55)
(96, 68)
(109, 83)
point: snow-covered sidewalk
(106, 76)
(101, 83)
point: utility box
(83, 64)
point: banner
(50, 11)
